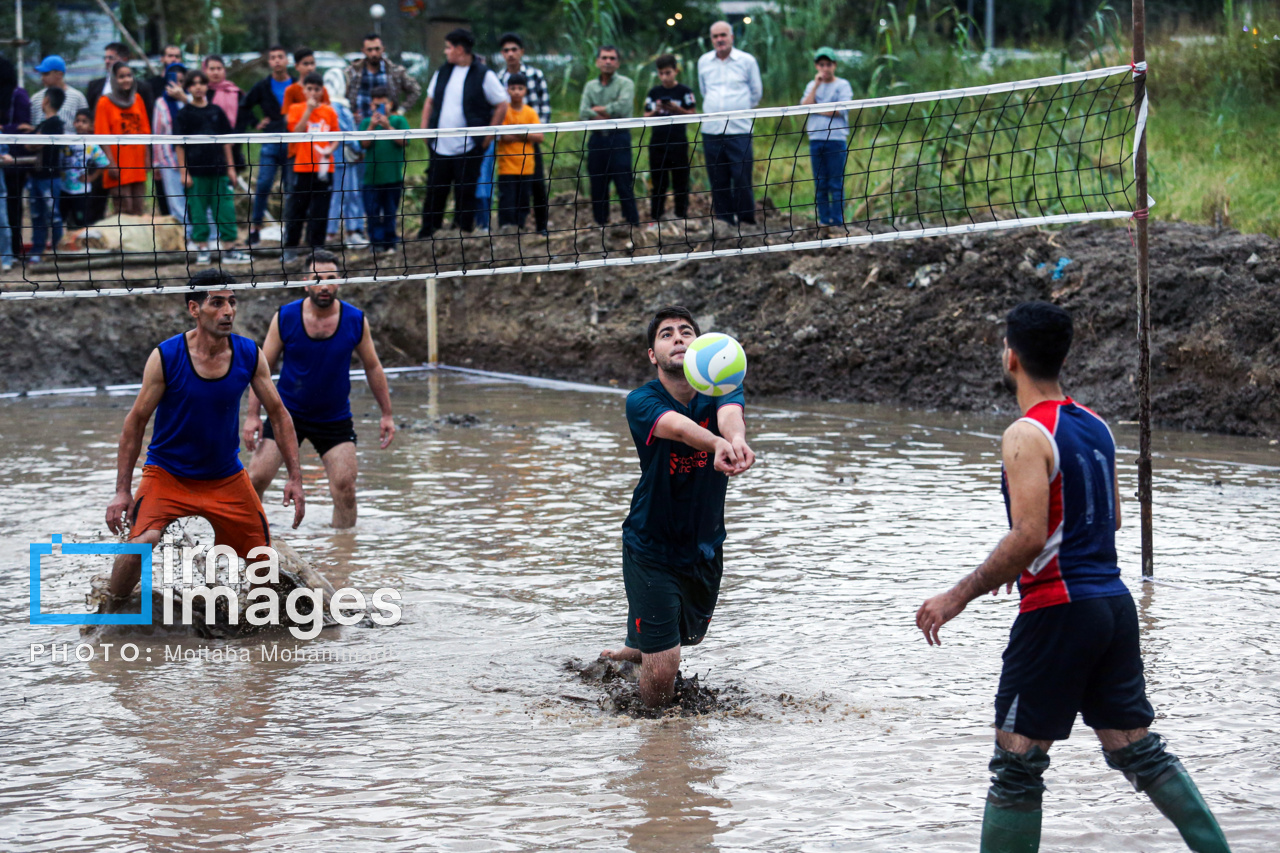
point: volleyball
(715, 364)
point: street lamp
(216, 14)
(376, 11)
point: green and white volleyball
(715, 364)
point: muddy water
(461, 728)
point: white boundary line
(580, 126)
(672, 257)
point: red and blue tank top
(1079, 558)
(197, 425)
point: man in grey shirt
(828, 137)
(730, 80)
(610, 96)
(52, 71)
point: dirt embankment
(914, 323)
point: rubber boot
(1010, 830)
(1178, 799)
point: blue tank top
(315, 379)
(1079, 559)
(197, 427)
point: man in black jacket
(267, 96)
(463, 93)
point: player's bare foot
(623, 653)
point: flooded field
(466, 727)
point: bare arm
(1115, 483)
(377, 379)
(427, 106)
(1028, 461)
(733, 426)
(677, 427)
(286, 438)
(135, 426)
(271, 349)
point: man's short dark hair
(510, 38)
(1040, 333)
(518, 79)
(86, 112)
(119, 49)
(206, 280)
(667, 60)
(276, 48)
(382, 92)
(670, 312)
(301, 54)
(55, 97)
(608, 48)
(313, 79)
(193, 76)
(461, 37)
(371, 37)
(322, 256)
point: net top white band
(577, 126)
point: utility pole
(22, 65)
(991, 24)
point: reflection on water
(460, 730)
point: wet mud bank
(915, 324)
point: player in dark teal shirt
(689, 445)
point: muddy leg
(658, 676)
(127, 569)
(624, 653)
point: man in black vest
(463, 93)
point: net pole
(433, 324)
(1144, 298)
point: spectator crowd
(350, 191)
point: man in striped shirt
(513, 55)
(52, 71)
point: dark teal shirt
(677, 509)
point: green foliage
(48, 30)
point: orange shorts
(230, 505)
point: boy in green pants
(208, 172)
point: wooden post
(433, 324)
(1144, 298)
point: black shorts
(669, 607)
(323, 436)
(1081, 657)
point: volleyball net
(1041, 152)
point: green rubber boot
(1178, 799)
(1010, 830)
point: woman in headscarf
(347, 204)
(121, 111)
(15, 117)
(167, 176)
(226, 95)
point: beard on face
(322, 299)
(1006, 378)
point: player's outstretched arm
(271, 349)
(733, 426)
(677, 427)
(135, 425)
(1028, 462)
(286, 438)
(377, 379)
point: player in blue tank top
(689, 445)
(317, 337)
(1074, 647)
(193, 383)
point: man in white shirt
(463, 93)
(52, 70)
(729, 80)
